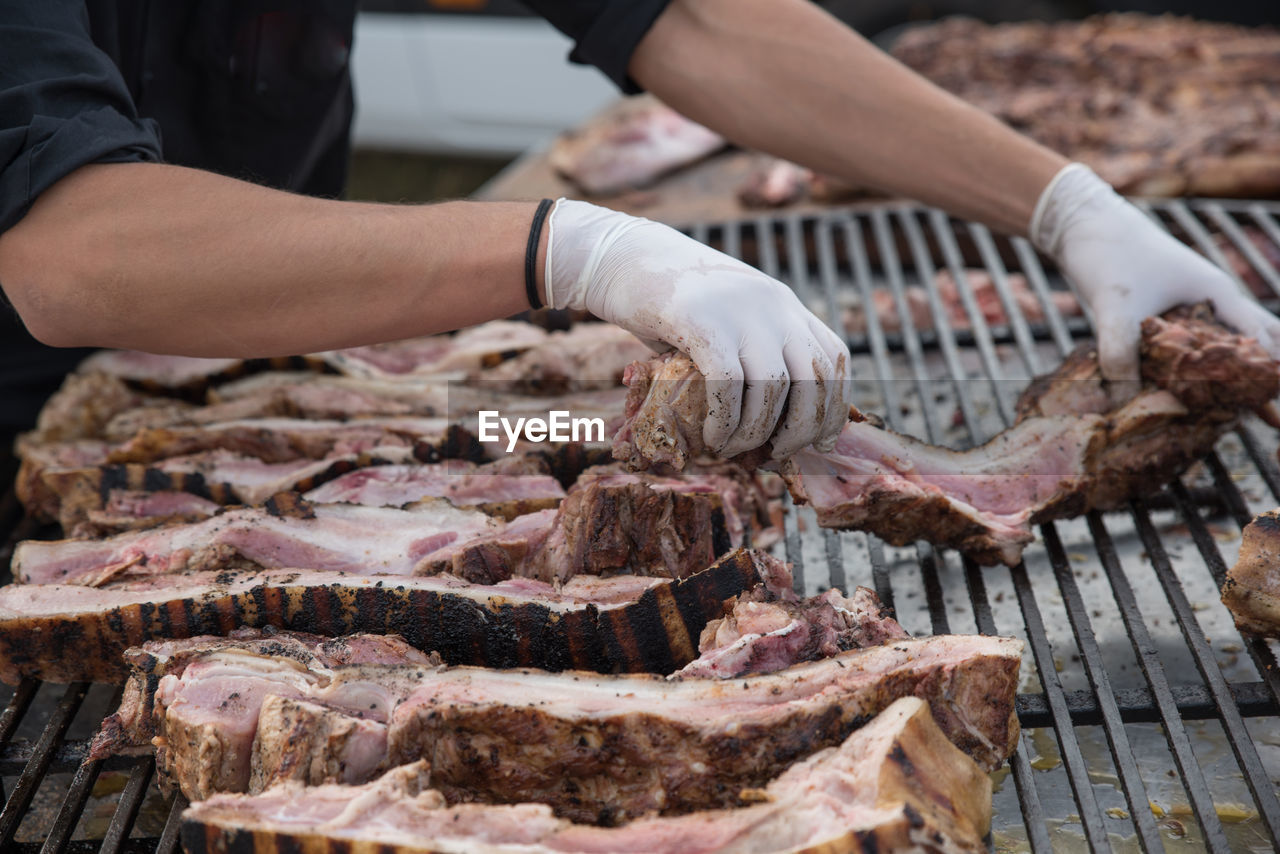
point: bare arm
(176, 260)
(785, 77)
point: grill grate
(1147, 719)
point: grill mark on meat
(63, 633)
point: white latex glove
(735, 322)
(1127, 269)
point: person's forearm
(783, 76)
(174, 260)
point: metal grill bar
(1121, 751)
(127, 810)
(1122, 754)
(20, 798)
(1153, 670)
(1072, 756)
(1194, 702)
(1241, 743)
(1033, 814)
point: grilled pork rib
(68, 633)
(598, 529)
(597, 748)
(1068, 453)
(866, 795)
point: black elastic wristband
(531, 254)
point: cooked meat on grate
(744, 497)
(133, 725)
(868, 794)
(986, 298)
(587, 356)
(477, 347)
(1251, 591)
(81, 409)
(91, 501)
(1068, 453)
(124, 510)
(630, 147)
(286, 532)
(1158, 106)
(154, 372)
(594, 747)
(502, 487)
(270, 440)
(68, 633)
(768, 630)
(773, 182)
(110, 499)
(597, 529)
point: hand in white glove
(736, 323)
(1128, 269)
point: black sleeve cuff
(606, 32)
(54, 147)
(611, 39)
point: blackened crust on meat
(78, 493)
(571, 459)
(195, 390)
(290, 505)
(458, 444)
(656, 634)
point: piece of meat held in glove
(594, 747)
(1251, 591)
(894, 785)
(1069, 452)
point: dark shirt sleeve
(606, 32)
(63, 103)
